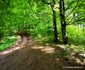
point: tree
(53, 6)
(63, 22)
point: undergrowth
(7, 42)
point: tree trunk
(63, 22)
(53, 4)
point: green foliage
(76, 34)
(36, 18)
(7, 42)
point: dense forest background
(50, 20)
(42, 34)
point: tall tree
(53, 6)
(63, 22)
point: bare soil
(26, 54)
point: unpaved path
(29, 55)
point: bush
(76, 35)
(7, 42)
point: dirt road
(29, 55)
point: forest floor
(27, 54)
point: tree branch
(73, 9)
(46, 2)
(69, 6)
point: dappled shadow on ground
(34, 56)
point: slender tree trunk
(53, 4)
(63, 22)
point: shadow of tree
(37, 57)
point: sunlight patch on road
(46, 49)
(57, 59)
(62, 47)
(10, 51)
(36, 47)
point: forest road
(26, 54)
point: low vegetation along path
(26, 54)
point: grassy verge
(7, 42)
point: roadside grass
(7, 42)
